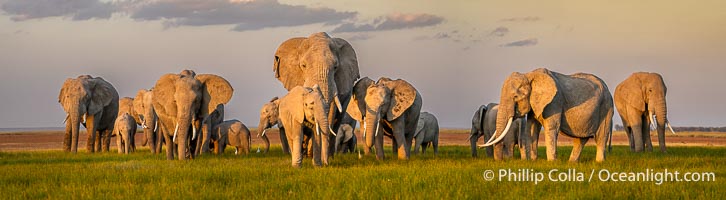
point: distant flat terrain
(22, 140)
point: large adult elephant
(146, 117)
(93, 102)
(302, 108)
(391, 105)
(577, 105)
(182, 103)
(318, 59)
(641, 100)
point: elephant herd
(327, 99)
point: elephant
(345, 141)
(305, 108)
(391, 105)
(182, 103)
(93, 100)
(318, 59)
(577, 105)
(427, 132)
(269, 117)
(477, 131)
(146, 117)
(234, 133)
(485, 125)
(125, 130)
(126, 106)
(641, 100)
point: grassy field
(451, 174)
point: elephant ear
(291, 105)
(139, 105)
(632, 90)
(349, 132)
(102, 93)
(163, 96)
(347, 71)
(544, 89)
(403, 96)
(357, 106)
(479, 117)
(215, 90)
(420, 125)
(287, 63)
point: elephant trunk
(472, 140)
(371, 128)
(505, 115)
(75, 120)
(321, 119)
(660, 112)
(181, 135)
(261, 129)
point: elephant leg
(98, 143)
(498, 151)
(169, 147)
(417, 145)
(627, 127)
(296, 141)
(159, 140)
(577, 146)
(533, 130)
(107, 140)
(91, 132)
(119, 144)
(604, 133)
(284, 142)
(509, 151)
(67, 136)
(637, 129)
(552, 130)
(435, 144)
(646, 134)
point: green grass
(452, 174)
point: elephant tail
(610, 142)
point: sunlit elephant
(146, 117)
(427, 133)
(233, 133)
(391, 105)
(318, 59)
(577, 105)
(269, 117)
(345, 141)
(182, 103)
(505, 148)
(126, 106)
(304, 108)
(125, 130)
(641, 100)
(477, 131)
(93, 102)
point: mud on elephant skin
(393, 106)
(641, 101)
(92, 102)
(578, 106)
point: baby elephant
(233, 133)
(345, 141)
(427, 132)
(124, 130)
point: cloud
(244, 15)
(393, 22)
(521, 19)
(521, 43)
(499, 31)
(22, 10)
(358, 37)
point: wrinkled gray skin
(319, 59)
(93, 102)
(505, 148)
(233, 133)
(125, 130)
(578, 106)
(477, 131)
(637, 96)
(304, 108)
(345, 141)
(427, 133)
(146, 118)
(269, 117)
(391, 106)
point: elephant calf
(233, 133)
(427, 132)
(345, 141)
(125, 129)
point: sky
(456, 53)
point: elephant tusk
(143, 124)
(176, 129)
(332, 132)
(491, 138)
(84, 118)
(652, 120)
(377, 124)
(263, 132)
(337, 103)
(317, 128)
(469, 138)
(671, 128)
(66, 119)
(365, 129)
(156, 125)
(501, 136)
(194, 130)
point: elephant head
(306, 106)
(146, 117)
(83, 98)
(177, 99)
(269, 117)
(477, 129)
(345, 134)
(522, 93)
(330, 63)
(385, 100)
